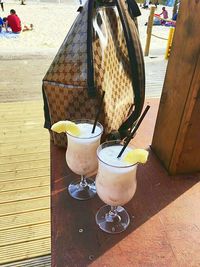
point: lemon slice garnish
(136, 156)
(66, 126)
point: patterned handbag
(101, 52)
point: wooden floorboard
(44, 261)
(21, 158)
(8, 167)
(26, 205)
(24, 174)
(23, 250)
(24, 185)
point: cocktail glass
(116, 184)
(81, 158)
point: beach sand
(51, 24)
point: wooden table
(78, 242)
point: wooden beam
(176, 135)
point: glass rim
(90, 122)
(107, 144)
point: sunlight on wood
(24, 182)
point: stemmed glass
(116, 184)
(82, 159)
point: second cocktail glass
(116, 184)
(82, 159)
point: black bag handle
(90, 64)
(137, 85)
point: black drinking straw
(98, 112)
(134, 131)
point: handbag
(101, 53)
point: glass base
(112, 224)
(77, 191)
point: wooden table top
(161, 211)
(76, 238)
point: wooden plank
(24, 150)
(187, 151)
(19, 116)
(25, 234)
(180, 91)
(25, 138)
(24, 219)
(25, 165)
(8, 107)
(21, 105)
(16, 145)
(43, 261)
(30, 127)
(23, 133)
(17, 207)
(25, 250)
(23, 157)
(12, 117)
(23, 194)
(7, 112)
(24, 174)
(18, 125)
(24, 184)
(25, 121)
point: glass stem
(112, 216)
(113, 211)
(83, 181)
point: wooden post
(177, 131)
(149, 30)
(169, 43)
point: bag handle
(90, 64)
(92, 92)
(103, 36)
(135, 57)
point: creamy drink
(116, 180)
(116, 185)
(81, 151)
(81, 158)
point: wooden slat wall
(176, 135)
(24, 182)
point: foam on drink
(109, 156)
(86, 134)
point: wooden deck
(24, 182)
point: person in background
(175, 16)
(1, 24)
(146, 4)
(1, 3)
(23, 2)
(164, 13)
(14, 22)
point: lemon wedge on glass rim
(66, 126)
(136, 156)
